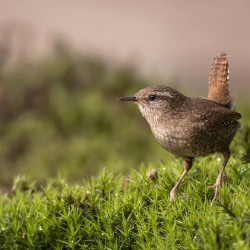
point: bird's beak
(128, 98)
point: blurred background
(63, 65)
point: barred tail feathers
(218, 81)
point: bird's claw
(172, 196)
(216, 186)
(218, 182)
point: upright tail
(218, 81)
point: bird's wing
(212, 116)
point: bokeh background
(63, 64)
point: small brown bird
(191, 127)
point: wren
(190, 127)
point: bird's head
(155, 98)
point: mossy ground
(102, 213)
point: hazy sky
(175, 39)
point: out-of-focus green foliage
(62, 115)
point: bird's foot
(218, 182)
(172, 195)
(217, 185)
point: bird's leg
(220, 177)
(187, 166)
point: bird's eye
(152, 97)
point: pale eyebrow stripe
(165, 94)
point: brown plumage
(190, 127)
(218, 81)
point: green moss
(103, 214)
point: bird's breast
(174, 139)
